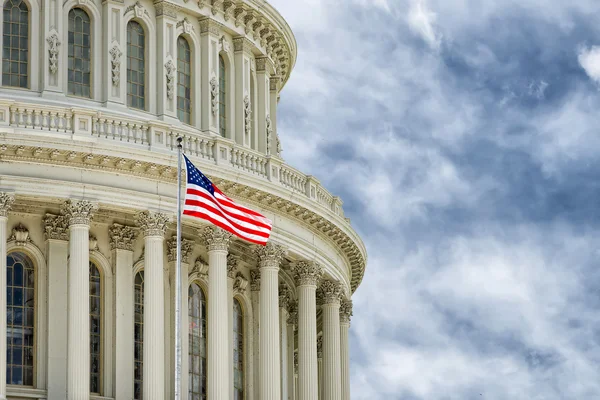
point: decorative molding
(329, 292)
(216, 239)
(170, 75)
(307, 273)
(228, 10)
(232, 264)
(217, 6)
(122, 237)
(200, 267)
(242, 43)
(20, 235)
(345, 311)
(187, 26)
(240, 14)
(78, 212)
(214, 95)
(208, 25)
(269, 129)
(115, 62)
(6, 202)
(166, 9)
(152, 224)
(255, 280)
(187, 247)
(247, 115)
(270, 255)
(56, 227)
(53, 46)
(138, 8)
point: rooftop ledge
(239, 171)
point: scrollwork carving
(217, 6)
(56, 227)
(247, 115)
(53, 45)
(255, 280)
(232, 264)
(240, 284)
(270, 255)
(200, 267)
(115, 63)
(345, 311)
(20, 235)
(216, 238)
(187, 247)
(78, 212)
(152, 224)
(6, 202)
(122, 237)
(329, 292)
(170, 75)
(307, 273)
(214, 95)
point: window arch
(222, 97)
(238, 350)
(20, 319)
(80, 53)
(184, 81)
(197, 342)
(138, 351)
(15, 44)
(136, 65)
(95, 329)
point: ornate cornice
(255, 280)
(232, 264)
(329, 292)
(187, 247)
(20, 235)
(78, 212)
(56, 227)
(345, 311)
(270, 256)
(216, 239)
(307, 273)
(152, 224)
(122, 237)
(6, 202)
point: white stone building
(93, 95)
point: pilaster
(6, 202)
(114, 69)
(166, 31)
(210, 35)
(345, 315)
(274, 85)
(243, 99)
(52, 47)
(264, 70)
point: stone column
(255, 297)
(270, 257)
(329, 297)
(345, 314)
(320, 365)
(6, 201)
(153, 226)
(79, 214)
(292, 321)
(243, 101)
(122, 241)
(307, 276)
(218, 336)
(284, 304)
(264, 69)
(232, 262)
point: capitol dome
(93, 96)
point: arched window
(184, 81)
(222, 98)
(238, 351)
(138, 350)
(80, 53)
(95, 329)
(20, 319)
(15, 44)
(136, 66)
(197, 343)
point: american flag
(205, 200)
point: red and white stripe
(226, 214)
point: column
(270, 257)
(56, 229)
(307, 275)
(232, 262)
(284, 304)
(217, 241)
(243, 102)
(264, 69)
(122, 241)
(114, 82)
(296, 389)
(153, 226)
(274, 82)
(329, 296)
(210, 33)
(6, 201)
(320, 365)
(292, 321)
(255, 297)
(166, 20)
(79, 214)
(345, 314)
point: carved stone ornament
(345, 311)
(270, 255)
(208, 25)
(200, 267)
(247, 115)
(216, 238)
(93, 243)
(165, 8)
(78, 212)
(255, 280)
(292, 313)
(187, 247)
(152, 224)
(138, 8)
(320, 347)
(214, 95)
(269, 128)
(240, 14)
(232, 264)
(278, 145)
(170, 75)
(307, 273)
(217, 6)
(224, 44)
(20, 235)
(274, 83)
(329, 292)
(228, 10)
(122, 237)
(53, 44)
(115, 63)
(284, 297)
(56, 227)
(187, 26)
(6, 202)
(240, 284)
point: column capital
(208, 25)
(292, 313)
(329, 292)
(320, 347)
(6, 202)
(122, 237)
(187, 247)
(307, 273)
(274, 83)
(152, 224)
(270, 255)
(216, 238)
(284, 297)
(232, 264)
(78, 212)
(255, 280)
(56, 227)
(241, 43)
(345, 311)
(164, 8)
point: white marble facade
(92, 97)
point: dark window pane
(79, 53)
(135, 65)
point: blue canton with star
(195, 177)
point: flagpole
(178, 281)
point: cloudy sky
(464, 139)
